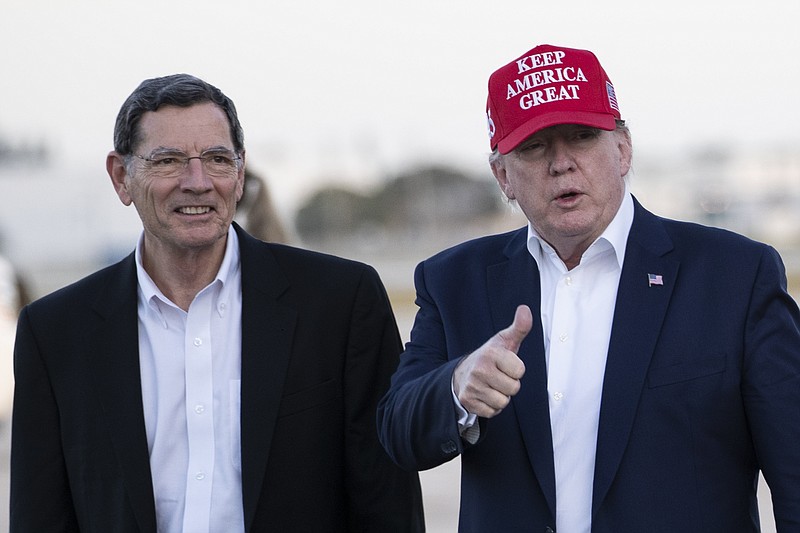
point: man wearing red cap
(602, 369)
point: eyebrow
(171, 150)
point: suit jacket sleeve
(417, 419)
(38, 468)
(383, 497)
(771, 387)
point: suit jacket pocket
(686, 370)
(309, 398)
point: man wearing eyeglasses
(209, 382)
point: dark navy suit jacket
(319, 344)
(701, 388)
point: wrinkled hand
(487, 378)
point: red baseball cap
(547, 86)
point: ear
(240, 179)
(499, 170)
(115, 166)
(625, 151)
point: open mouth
(567, 195)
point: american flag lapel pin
(654, 279)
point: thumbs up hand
(485, 380)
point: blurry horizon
(351, 91)
(62, 222)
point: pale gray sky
(323, 87)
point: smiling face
(190, 211)
(569, 182)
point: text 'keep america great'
(544, 79)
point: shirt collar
(230, 263)
(615, 235)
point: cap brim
(603, 121)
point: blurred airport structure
(60, 222)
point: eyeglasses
(172, 164)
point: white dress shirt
(577, 310)
(190, 365)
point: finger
(507, 381)
(512, 337)
(491, 389)
(494, 389)
(487, 405)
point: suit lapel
(530, 404)
(638, 316)
(113, 354)
(267, 331)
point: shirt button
(200, 476)
(563, 337)
(557, 396)
(198, 341)
(568, 280)
(199, 409)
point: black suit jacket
(319, 343)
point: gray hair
(182, 90)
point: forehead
(195, 127)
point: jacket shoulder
(691, 239)
(300, 261)
(701, 240)
(108, 283)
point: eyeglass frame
(184, 158)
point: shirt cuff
(467, 428)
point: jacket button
(449, 447)
(549, 529)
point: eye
(585, 135)
(531, 146)
(165, 162)
(167, 159)
(220, 159)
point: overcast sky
(323, 87)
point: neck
(181, 276)
(571, 255)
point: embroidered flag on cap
(654, 279)
(612, 96)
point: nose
(560, 158)
(195, 177)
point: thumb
(513, 335)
